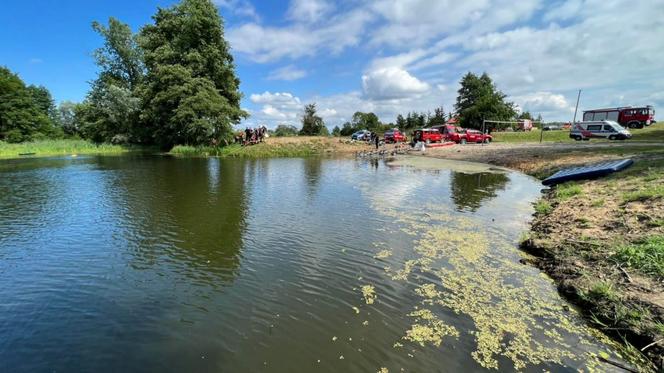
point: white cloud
(417, 22)
(392, 83)
(309, 11)
(289, 72)
(545, 103)
(266, 43)
(241, 8)
(281, 99)
(35, 61)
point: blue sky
(385, 56)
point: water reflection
(312, 175)
(193, 210)
(470, 190)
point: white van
(605, 129)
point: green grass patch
(647, 192)
(597, 203)
(263, 150)
(568, 190)
(531, 136)
(601, 291)
(543, 207)
(57, 147)
(656, 223)
(654, 133)
(646, 256)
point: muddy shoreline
(575, 239)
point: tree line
(478, 99)
(173, 82)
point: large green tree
(479, 99)
(190, 94)
(312, 124)
(22, 118)
(120, 59)
(110, 112)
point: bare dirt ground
(535, 158)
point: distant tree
(284, 130)
(438, 117)
(22, 118)
(336, 131)
(66, 114)
(43, 99)
(421, 120)
(347, 129)
(525, 115)
(367, 121)
(190, 94)
(312, 124)
(479, 99)
(401, 122)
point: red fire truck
(632, 117)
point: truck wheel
(635, 125)
(463, 141)
(487, 141)
(612, 137)
(577, 138)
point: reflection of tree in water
(188, 209)
(312, 174)
(469, 191)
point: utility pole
(577, 107)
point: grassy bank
(603, 242)
(652, 133)
(301, 146)
(56, 147)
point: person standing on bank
(376, 140)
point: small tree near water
(312, 124)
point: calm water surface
(140, 263)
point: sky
(383, 56)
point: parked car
(605, 129)
(361, 135)
(478, 137)
(427, 135)
(394, 136)
(453, 133)
(552, 127)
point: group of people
(251, 136)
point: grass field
(276, 147)
(56, 147)
(653, 133)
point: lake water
(149, 263)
